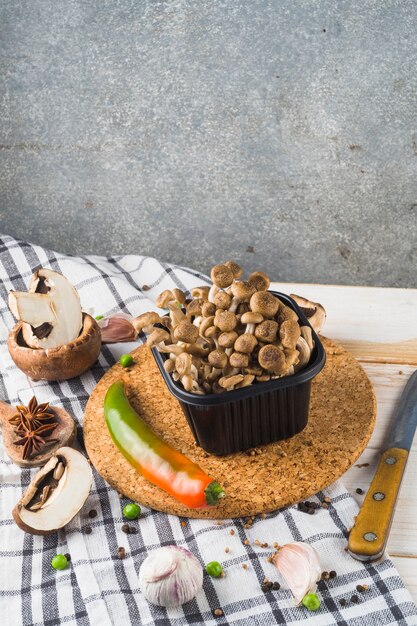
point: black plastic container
(253, 416)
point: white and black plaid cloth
(97, 588)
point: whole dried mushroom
(230, 335)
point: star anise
(34, 439)
(32, 416)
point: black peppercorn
(354, 599)
(276, 586)
(332, 574)
(126, 528)
(342, 602)
(87, 530)
(92, 513)
(359, 491)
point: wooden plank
(369, 314)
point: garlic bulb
(299, 565)
(170, 576)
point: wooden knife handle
(369, 535)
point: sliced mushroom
(314, 311)
(50, 310)
(60, 504)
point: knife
(368, 537)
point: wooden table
(379, 326)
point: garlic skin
(117, 328)
(170, 576)
(299, 565)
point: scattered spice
(308, 507)
(232, 532)
(327, 499)
(325, 575)
(126, 528)
(87, 530)
(245, 566)
(354, 599)
(227, 550)
(342, 602)
(92, 513)
(132, 530)
(183, 523)
(276, 586)
(324, 505)
(218, 613)
(34, 439)
(359, 491)
(68, 557)
(362, 465)
(401, 372)
(145, 287)
(265, 587)
(121, 553)
(246, 542)
(362, 588)
(332, 574)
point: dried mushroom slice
(56, 493)
(50, 310)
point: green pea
(126, 360)
(311, 602)
(59, 561)
(99, 317)
(131, 511)
(214, 569)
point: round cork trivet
(341, 420)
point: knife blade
(369, 535)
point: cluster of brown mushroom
(229, 335)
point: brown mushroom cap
(194, 308)
(200, 292)
(208, 309)
(183, 363)
(61, 363)
(157, 336)
(221, 276)
(163, 299)
(264, 303)
(272, 359)
(242, 290)
(227, 382)
(267, 331)
(234, 268)
(146, 319)
(245, 343)
(259, 280)
(185, 331)
(238, 359)
(222, 300)
(225, 320)
(218, 359)
(227, 340)
(251, 318)
(286, 313)
(179, 295)
(289, 333)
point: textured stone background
(282, 134)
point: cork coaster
(342, 417)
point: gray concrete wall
(280, 133)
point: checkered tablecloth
(97, 588)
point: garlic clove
(299, 565)
(117, 328)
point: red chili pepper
(153, 458)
